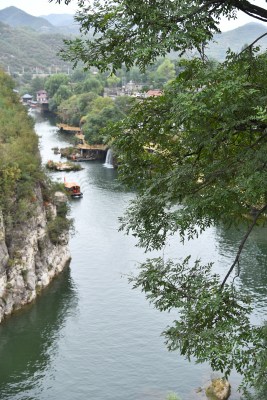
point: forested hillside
(52, 23)
(33, 226)
(236, 39)
(20, 169)
(31, 44)
(15, 17)
(23, 50)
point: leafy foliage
(77, 106)
(59, 226)
(104, 111)
(202, 144)
(20, 160)
(196, 155)
(55, 82)
(213, 324)
(20, 167)
(139, 32)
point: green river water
(90, 336)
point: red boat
(73, 188)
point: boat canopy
(70, 185)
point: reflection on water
(89, 336)
(253, 261)
(28, 340)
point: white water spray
(109, 159)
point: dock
(86, 146)
(90, 152)
(69, 128)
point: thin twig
(241, 246)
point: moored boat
(73, 188)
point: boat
(73, 188)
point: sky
(40, 7)
(43, 7)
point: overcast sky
(43, 7)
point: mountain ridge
(59, 19)
(16, 17)
(22, 50)
(236, 39)
(29, 43)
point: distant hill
(15, 17)
(59, 19)
(31, 44)
(62, 23)
(23, 50)
(236, 39)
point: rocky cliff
(34, 226)
(28, 258)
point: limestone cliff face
(28, 259)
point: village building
(26, 98)
(42, 96)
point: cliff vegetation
(33, 225)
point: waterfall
(109, 159)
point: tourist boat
(73, 188)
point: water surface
(90, 336)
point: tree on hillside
(74, 108)
(91, 84)
(79, 75)
(196, 156)
(103, 112)
(63, 93)
(58, 89)
(54, 82)
(165, 72)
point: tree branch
(251, 44)
(242, 244)
(251, 9)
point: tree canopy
(137, 32)
(20, 164)
(201, 145)
(195, 155)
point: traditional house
(42, 96)
(26, 98)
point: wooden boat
(73, 188)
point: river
(89, 335)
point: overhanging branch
(251, 44)
(250, 9)
(242, 244)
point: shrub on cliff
(21, 172)
(57, 228)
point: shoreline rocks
(219, 389)
(29, 261)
